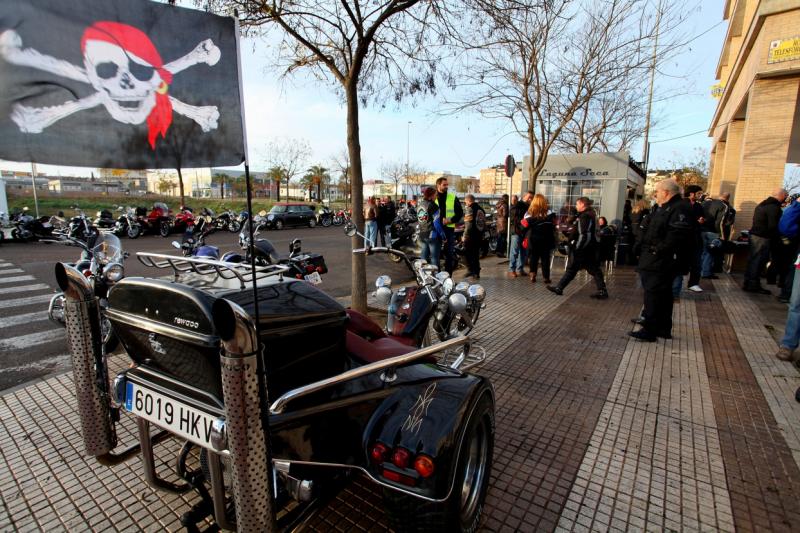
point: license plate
(174, 416)
(314, 278)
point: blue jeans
(707, 265)
(791, 337)
(677, 283)
(370, 233)
(517, 255)
(430, 250)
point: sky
(303, 109)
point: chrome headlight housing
(270, 217)
(383, 295)
(457, 302)
(447, 285)
(476, 292)
(462, 287)
(441, 276)
(383, 281)
(114, 272)
(418, 264)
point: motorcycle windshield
(107, 249)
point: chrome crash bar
(197, 265)
(388, 365)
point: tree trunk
(532, 165)
(222, 189)
(180, 184)
(358, 280)
(277, 191)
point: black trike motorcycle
(277, 397)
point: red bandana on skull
(138, 43)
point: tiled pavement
(594, 431)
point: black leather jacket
(669, 231)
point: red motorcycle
(157, 220)
(184, 219)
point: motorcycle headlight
(383, 281)
(418, 264)
(114, 272)
(476, 292)
(441, 276)
(457, 302)
(462, 287)
(270, 217)
(383, 295)
(98, 214)
(447, 285)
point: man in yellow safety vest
(450, 214)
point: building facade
(756, 127)
(493, 180)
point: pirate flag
(118, 84)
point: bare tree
(341, 163)
(291, 155)
(369, 49)
(395, 172)
(539, 65)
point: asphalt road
(32, 347)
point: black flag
(118, 84)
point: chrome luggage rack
(197, 265)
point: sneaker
(696, 288)
(557, 290)
(643, 336)
(784, 353)
(600, 295)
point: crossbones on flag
(118, 84)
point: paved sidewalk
(595, 431)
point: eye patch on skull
(141, 72)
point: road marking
(24, 288)
(16, 320)
(24, 342)
(51, 363)
(18, 302)
(14, 279)
(11, 271)
(6, 265)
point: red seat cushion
(363, 326)
(376, 350)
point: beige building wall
(756, 127)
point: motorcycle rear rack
(197, 265)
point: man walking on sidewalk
(583, 250)
(762, 234)
(668, 230)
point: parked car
(286, 214)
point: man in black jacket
(714, 214)
(474, 224)
(668, 229)
(763, 232)
(583, 250)
(386, 215)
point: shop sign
(784, 50)
(717, 90)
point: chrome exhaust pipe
(82, 321)
(244, 418)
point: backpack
(729, 217)
(480, 220)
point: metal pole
(35, 197)
(408, 155)
(646, 147)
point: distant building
(493, 180)
(196, 182)
(756, 127)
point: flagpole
(35, 198)
(262, 364)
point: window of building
(562, 194)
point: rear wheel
(234, 226)
(326, 221)
(463, 508)
(163, 229)
(311, 222)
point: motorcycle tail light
(379, 453)
(399, 478)
(298, 276)
(320, 270)
(401, 457)
(424, 466)
(87, 273)
(309, 268)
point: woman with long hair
(371, 223)
(540, 236)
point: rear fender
(427, 418)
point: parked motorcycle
(127, 223)
(228, 220)
(101, 263)
(341, 217)
(29, 228)
(157, 220)
(183, 220)
(104, 219)
(451, 309)
(193, 242)
(324, 216)
(81, 227)
(404, 235)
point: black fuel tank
(168, 326)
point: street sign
(511, 165)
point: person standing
(668, 228)
(789, 228)
(691, 253)
(714, 215)
(583, 250)
(764, 230)
(429, 234)
(639, 215)
(474, 225)
(791, 335)
(517, 254)
(450, 214)
(370, 223)
(502, 225)
(540, 237)
(386, 215)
